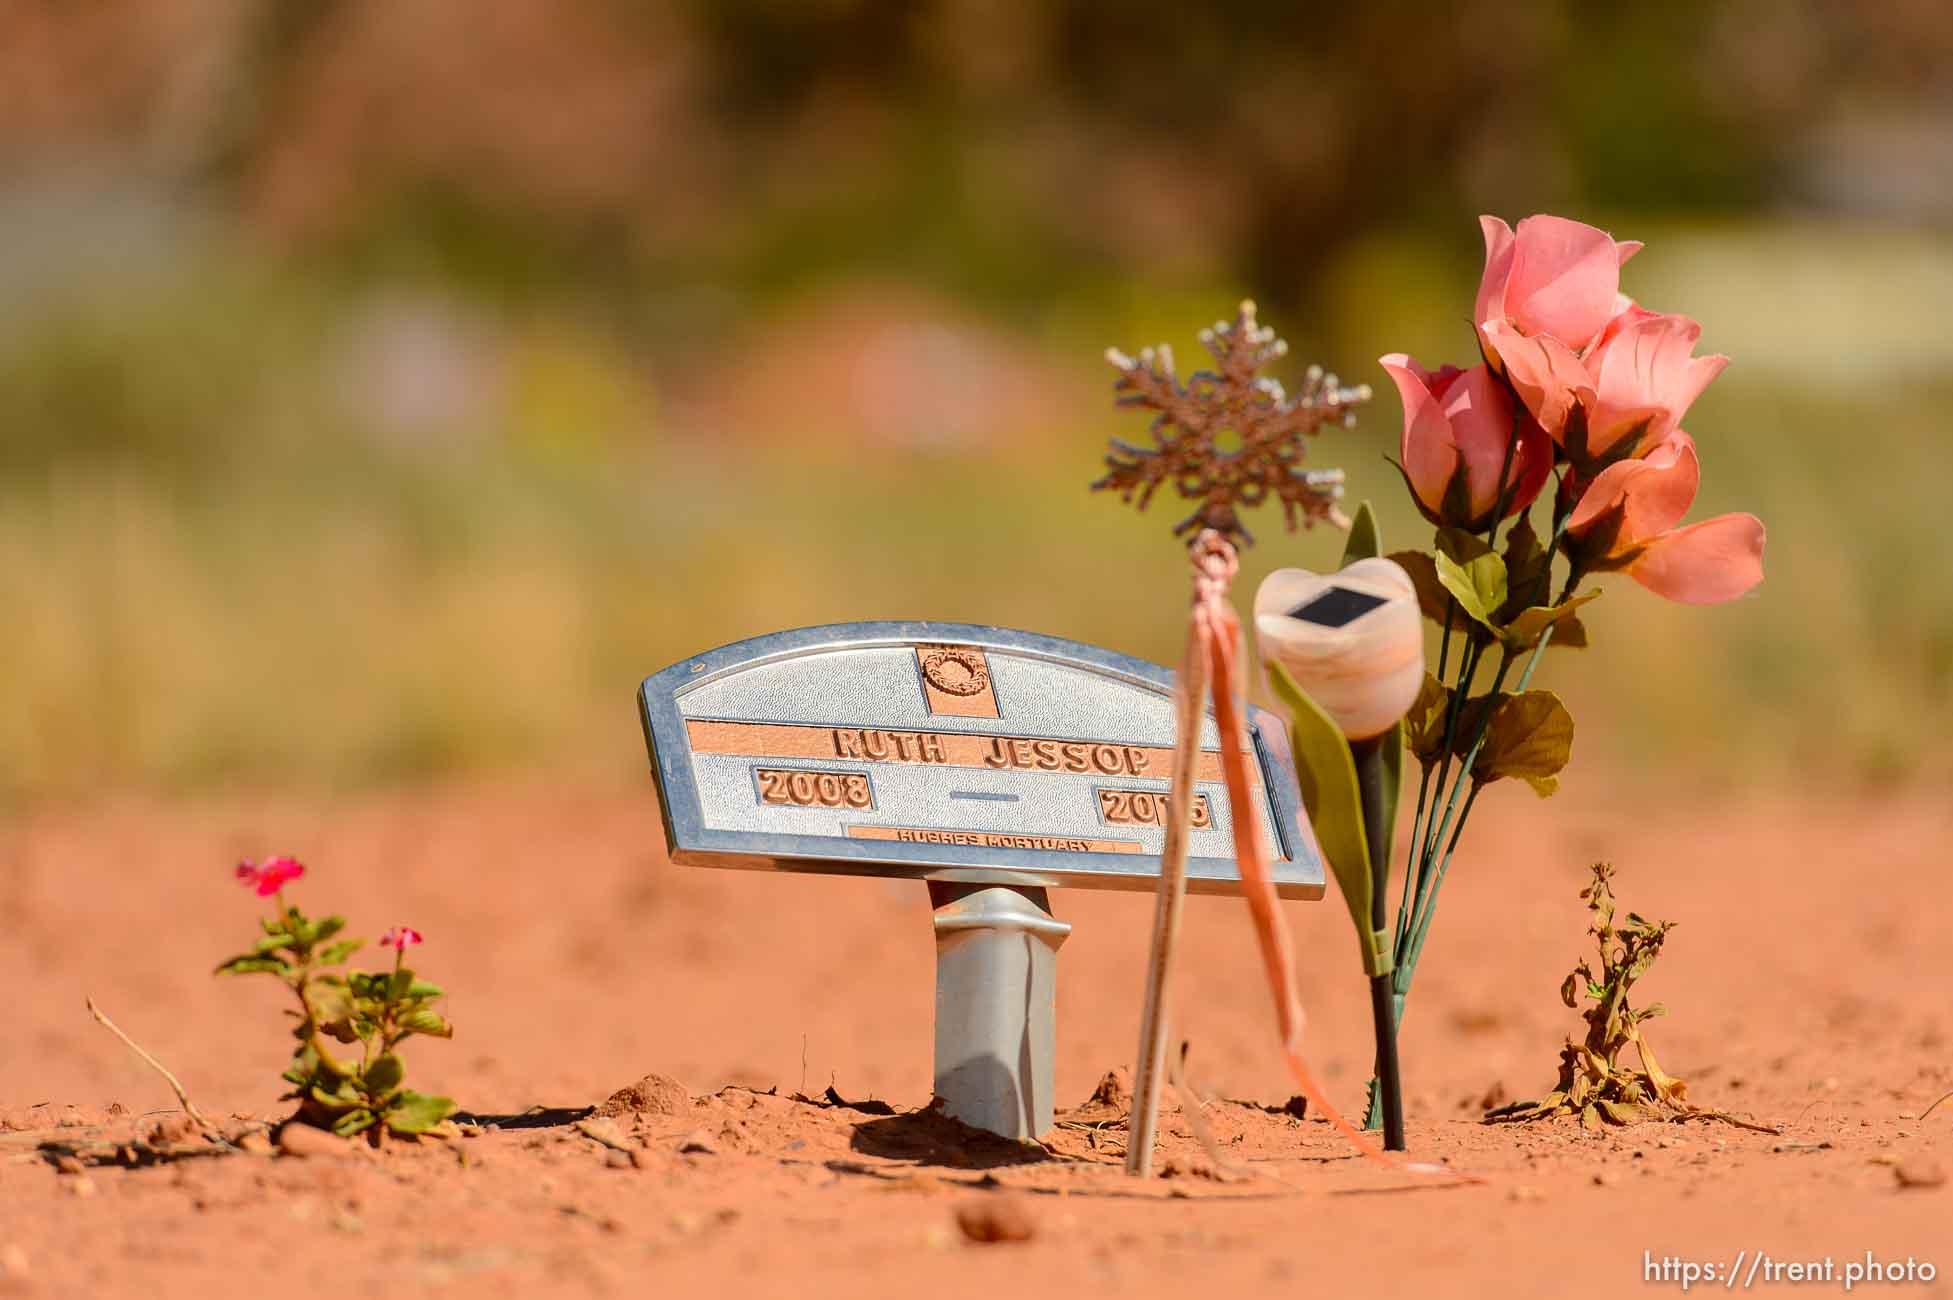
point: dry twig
(182, 1097)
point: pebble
(1920, 1172)
(621, 1159)
(255, 1144)
(996, 1218)
(303, 1141)
(697, 1143)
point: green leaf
(1571, 634)
(339, 1100)
(1432, 599)
(357, 1121)
(1472, 573)
(1525, 628)
(303, 1069)
(249, 964)
(330, 1003)
(333, 954)
(1530, 737)
(1527, 565)
(398, 984)
(423, 989)
(384, 1075)
(271, 943)
(1363, 540)
(427, 1022)
(1424, 724)
(1329, 794)
(415, 1112)
(314, 932)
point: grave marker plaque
(947, 752)
(991, 763)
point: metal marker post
(996, 1005)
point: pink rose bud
(1458, 425)
(401, 937)
(1626, 519)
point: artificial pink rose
(1626, 519)
(401, 937)
(1544, 372)
(1645, 377)
(1547, 292)
(1626, 312)
(1457, 427)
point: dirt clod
(172, 1128)
(1920, 1172)
(696, 1143)
(654, 1094)
(255, 1144)
(304, 1141)
(1114, 1089)
(995, 1219)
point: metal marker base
(996, 1005)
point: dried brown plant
(1595, 1084)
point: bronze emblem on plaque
(956, 681)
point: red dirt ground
(1809, 983)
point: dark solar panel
(1336, 607)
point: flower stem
(1423, 927)
(1443, 830)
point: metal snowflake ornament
(1268, 423)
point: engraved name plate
(943, 751)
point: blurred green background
(386, 387)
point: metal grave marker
(992, 764)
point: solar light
(1354, 641)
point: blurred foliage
(385, 388)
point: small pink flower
(272, 876)
(401, 937)
(1626, 521)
